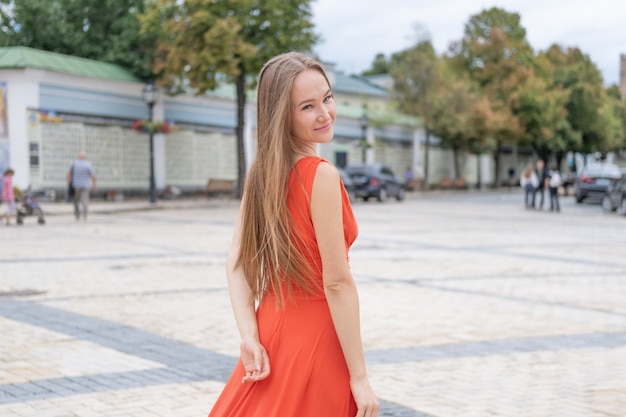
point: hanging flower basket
(153, 127)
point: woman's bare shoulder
(325, 184)
(326, 172)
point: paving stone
(471, 306)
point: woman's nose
(324, 114)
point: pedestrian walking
(554, 181)
(289, 253)
(529, 182)
(8, 195)
(82, 178)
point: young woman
(529, 182)
(290, 255)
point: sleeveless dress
(309, 376)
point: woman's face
(312, 109)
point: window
(33, 149)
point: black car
(594, 180)
(615, 197)
(375, 180)
(348, 184)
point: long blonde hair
(268, 253)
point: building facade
(622, 75)
(54, 106)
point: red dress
(309, 376)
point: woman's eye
(328, 98)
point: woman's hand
(365, 399)
(255, 361)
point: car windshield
(602, 171)
(360, 170)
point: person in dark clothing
(554, 182)
(542, 175)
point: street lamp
(150, 95)
(364, 123)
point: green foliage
(541, 111)
(380, 66)
(618, 106)
(495, 53)
(417, 74)
(462, 115)
(106, 30)
(201, 42)
(588, 113)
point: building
(54, 105)
(622, 75)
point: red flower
(137, 125)
(156, 127)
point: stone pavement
(471, 306)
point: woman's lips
(325, 127)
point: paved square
(471, 306)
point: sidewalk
(471, 306)
(104, 207)
(101, 207)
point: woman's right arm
(253, 355)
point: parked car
(375, 180)
(594, 180)
(615, 197)
(348, 184)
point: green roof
(357, 85)
(388, 116)
(24, 57)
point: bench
(415, 184)
(453, 184)
(220, 186)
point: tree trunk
(241, 108)
(496, 162)
(558, 156)
(479, 170)
(426, 158)
(455, 158)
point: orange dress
(309, 376)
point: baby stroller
(27, 205)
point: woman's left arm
(339, 286)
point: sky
(354, 31)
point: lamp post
(364, 123)
(150, 95)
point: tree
(380, 66)
(611, 126)
(495, 53)
(202, 43)
(417, 75)
(461, 115)
(619, 108)
(574, 72)
(540, 108)
(105, 30)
